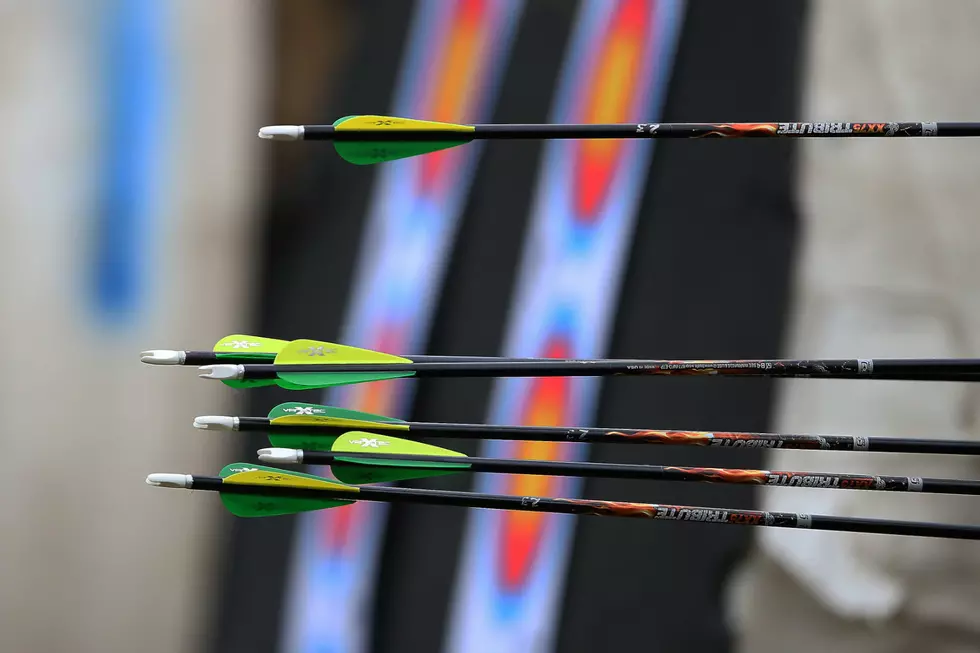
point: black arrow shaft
(212, 358)
(663, 512)
(728, 439)
(663, 473)
(958, 369)
(658, 131)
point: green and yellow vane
(259, 505)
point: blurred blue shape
(134, 91)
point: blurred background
(139, 210)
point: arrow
(256, 491)
(300, 368)
(313, 426)
(383, 459)
(238, 348)
(252, 349)
(364, 140)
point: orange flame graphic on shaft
(617, 508)
(742, 130)
(681, 437)
(750, 476)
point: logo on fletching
(304, 410)
(235, 470)
(242, 344)
(373, 443)
(317, 351)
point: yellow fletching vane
(282, 479)
(393, 124)
(307, 352)
(255, 348)
(245, 345)
(304, 351)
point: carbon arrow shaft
(190, 357)
(661, 512)
(661, 473)
(684, 130)
(894, 369)
(728, 439)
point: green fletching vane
(234, 468)
(299, 440)
(384, 471)
(364, 153)
(311, 352)
(346, 413)
(297, 414)
(308, 381)
(250, 383)
(263, 350)
(297, 409)
(257, 505)
(370, 152)
(288, 385)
